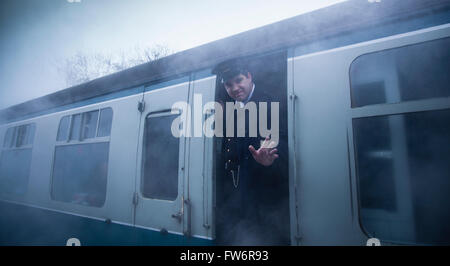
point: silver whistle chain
(235, 179)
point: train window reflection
(29, 137)
(15, 159)
(75, 127)
(161, 158)
(9, 138)
(80, 170)
(14, 171)
(19, 136)
(85, 125)
(63, 131)
(89, 127)
(404, 176)
(104, 126)
(414, 72)
(80, 173)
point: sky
(37, 34)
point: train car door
(160, 179)
(368, 122)
(199, 162)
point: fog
(37, 34)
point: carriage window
(75, 127)
(22, 136)
(19, 136)
(89, 127)
(402, 165)
(413, 72)
(15, 159)
(80, 173)
(104, 126)
(161, 158)
(8, 142)
(86, 125)
(63, 131)
(80, 170)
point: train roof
(335, 20)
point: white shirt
(241, 104)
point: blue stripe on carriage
(24, 225)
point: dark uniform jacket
(254, 192)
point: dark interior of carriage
(269, 223)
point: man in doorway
(253, 195)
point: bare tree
(83, 67)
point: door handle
(178, 216)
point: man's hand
(265, 155)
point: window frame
(80, 138)
(27, 146)
(161, 113)
(401, 101)
(84, 124)
(384, 109)
(80, 141)
(99, 119)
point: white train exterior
(333, 111)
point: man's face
(239, 87)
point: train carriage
(364, 90)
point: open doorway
(252, 189)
